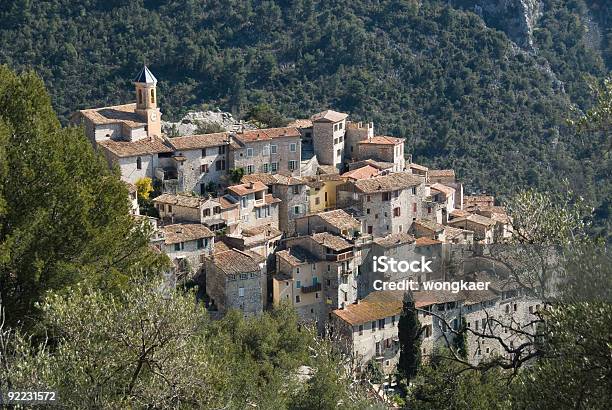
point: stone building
(389, 203)
(322, 191)
(356, 132)
(483, 227)
(385, 149)
(328, 133)
(235, 280)
(262, 240)
(186, 245)
(365, 172)
(204, 167)
(256, 207)
(271, 150)
(337, 221)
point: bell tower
(146, 101)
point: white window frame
(273, 149)
(293, 147)
(266, 150)
(249, 152)
(274, 167)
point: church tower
(146, 101)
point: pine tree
(409, 332)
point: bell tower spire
(146, 100)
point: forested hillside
(462, 93)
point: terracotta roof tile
(300, 123)
(233, 262)
(145, 146)
(267, 134)
(123, 114)
(424, 241)
(200, 141)
(376, 305)
(187, 201)
(185, 232)
(391, 182)
(441, 173)
(340, 219)
(394, 239)
(331, 241)
(382, 140)
(446, 190)
(362, 173)
(328, 116)
(249, 188)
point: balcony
(346, 272)
(337, 257)
(310, 289)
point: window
(360, 330)
(274, 167)
(249, 152)
(179, 246)
(221, 149)
(297, 298)
(317, 201)
(317, 295)
(292, 165)
(397, 211)
(386, 196)
(293, 147)
(217, 210)
(139, 96)
(203, 152)
(413, 190)
(265, 168)
(169, 208)
(374, 326)
(381, 323)
(243, 200)
(250, 169)
(200, 243)
(428, 331)
(273, 149)
(368, 198)
(296, 210)
(370, 229)
(340, 125)
(339, 153)
(241, 292)
(220, 165)
(206, 212)
(138, 163)
(414, 207)
(429, 209)
(266, 150)
(393, 320)
(298, 284)
(296, 190)
(368, 211)
(152, 96)
(203, 168)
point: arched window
(152, 96)
(138, 163)
(139, 96)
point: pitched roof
(233, 261)
(382, 140)
(471, 199)
(475, 218)
(328, 116)
(331, 241)
(340, 219)
(266, 230)
(367, 171)
(394, 239)
(377, 305)
(425, 241)
(417, 166)
(296, 256)
(145, 146)
(459, 213)
(446, 190)
(391, 182)
(450, 232)
(185, 232)
(272, 179)
(145, 76)
(266, 134)
(187, 201)
(248, 188)
(117, 114)
(441, 173)
(200, 141)
(430, 225)
(327, 169)
(376, 164)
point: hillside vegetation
(460, 92)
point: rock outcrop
(198, 120)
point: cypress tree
(409, 332)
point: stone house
(445, 196)
(205, 164)
(356, 132)
(187, 245)
(216, 213)
(365, 172)
(483, 227)
(385, 149)
(447, 177)
(389, 203)
(417, 169)
(338, 222)
(133, 198)
(293, 194)
(328, 134)
(256, 207)
(470, 202)
(262, 240)
(384, 167)
(235, 280)
(322, 191)
(503, 223)
(271, 150)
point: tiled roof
(296, 256)
(475, 218)
(248, 188)
(391, 182)
(338, 218)
(185, 232)
(269, 199)
(450, 232)
(187, 201)
(471, 199)
(233, 262)
(266, 230)
(459, 213)
(328, 116)
(376, 164)
(382, 140)
(377, 305)
(266, 134)
(267, 179)
(362, 173)
(417, 166)
(145, 146)
(441, 173)
(446, 190)
(124, 114)
(227, 203)
(331, 241)
(300, 123)
(430, 225)
(327, 169)
(424, 241)
(200, 141)
(394, 239)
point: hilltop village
(297, 215)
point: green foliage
(264, 116)
(409, 333)
(236, 175)
(144, 187)
(64, 216)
